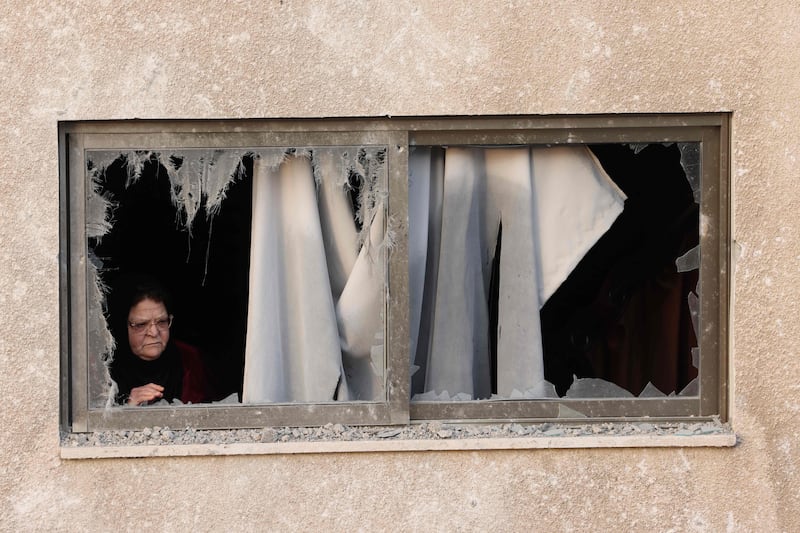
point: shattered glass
(578, 350)
(690, 161)
(624, 322)
(184, 214)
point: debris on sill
(165, 436)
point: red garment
(194, 389)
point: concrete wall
(119, 60)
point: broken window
(380, 271)
(258, 245)
(557, 279)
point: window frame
(712, 132)
(399, 135)
(77, 138)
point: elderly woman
(151, 366)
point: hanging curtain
(552, 204)
(315, 322)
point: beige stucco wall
(104, 59)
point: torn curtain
(552, 203)
(315, 318)
(314, 314)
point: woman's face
(148, 341)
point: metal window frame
(712, 130)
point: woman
(150, 366)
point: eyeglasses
(161, 324)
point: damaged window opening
(380, 271)
(571, 255)
(213, 225)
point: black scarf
(129, 371)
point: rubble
(166, 436)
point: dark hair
(129, 291)
(149, 289)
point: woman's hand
(145, 394)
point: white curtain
(315, 322)
(553, 204)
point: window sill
(424, 437)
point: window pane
(526, 258)
(258, 248)
(546, 271)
